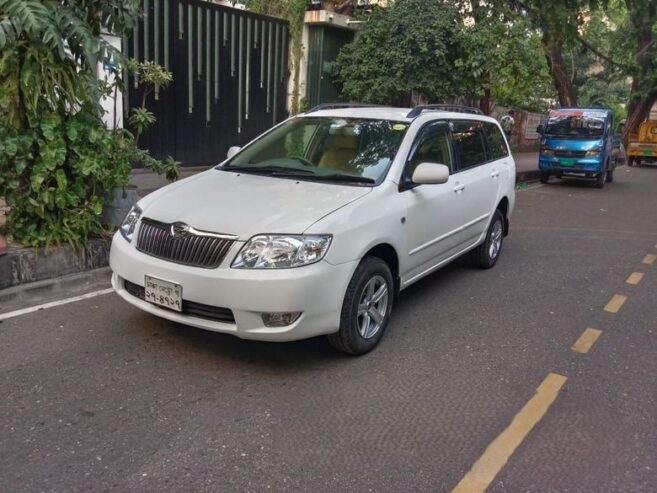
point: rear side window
(468, 137)
(496, 143)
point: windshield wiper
(269, 170)
(345, 178)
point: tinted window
(469, 143)
(496, 144)
(432, 146)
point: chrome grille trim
(192, 247)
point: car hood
(246, 204)
(558, 143)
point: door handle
(459, 188)
(495, 173)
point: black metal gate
(229, 77)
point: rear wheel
(545, 176)
(366, 308)
(485, 255)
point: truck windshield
(321, 148)
(576, 123)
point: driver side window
(431, 146)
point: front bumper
(316, 290)
(578, 166)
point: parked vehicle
(643, 145)
(314, 227)
(578, 142)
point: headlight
(130, 222)
(281, 252)
(593, 152)
(547, 152)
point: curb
(23, 265)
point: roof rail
(335, 106)
(417, 111)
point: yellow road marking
(499, 451)
(635, 278)
(649, 259)
(615, 303)
(586, 340)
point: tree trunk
(485, 101)
(644, 89)
(562, 80)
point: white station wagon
(314, 227)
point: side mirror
(539, 129)
(430, 174)
(233, 150)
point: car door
(434, 216)
(478, 178)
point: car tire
(600, 179)
(485, 255)
(610, 175)
(545, 177)
(359, 331)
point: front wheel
(600, 179)
(366, 308)
(485, 255)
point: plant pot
(118, 204)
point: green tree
(501, 57)
(405, 49)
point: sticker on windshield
(399, 126)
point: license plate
(163, 293)
(568, 162)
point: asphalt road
(98, 396)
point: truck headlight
(595, 152)
(129, 224)
(281, 251)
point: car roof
(392, 113)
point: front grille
(191, 247)
(565, 153)
(190, 308)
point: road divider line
(615, 303)
(52, 304)
(500, 450)
(649, 259)
(586, 340)
(635, 278)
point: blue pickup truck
(578, 142)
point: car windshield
(328, 149)
(576, 123)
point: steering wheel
(303, 161)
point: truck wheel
(600, 180)
(545, 176)
(610, 175)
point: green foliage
(56, 173)
(58, 161)
(502, 53)
(406, 48)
